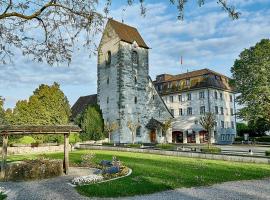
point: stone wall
(33, 150)
(235, 158)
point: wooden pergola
(5, 131)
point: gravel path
(58, 189)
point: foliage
(107, 144)
(154, 173)
(251, 74)
(74, 138)
(133, 145)
(2, 112)
(91, 123)
(208, 123)
(133, 127)
(26, 140)
(2, 196)
(211, 150)
(62, 24)
(267, 153)
(109, 128)
(263, 139)
(47, 106)
(166, 146)
(34, 169)
(242, 128)
(165, 127)
(239, 139)
(258, 127)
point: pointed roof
(82, 103)
(127, 33)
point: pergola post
(66, 152)
(4, 156)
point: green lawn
(153, 173)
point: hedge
(267, 153)
(166, 146)
(211, 150)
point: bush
(107, 144)
(239, 139)
(267, 153)
(211, 150)
(2, 196)
(34, 169)
(263, 139)
(166, 146)
(26, 140)
(133, 145)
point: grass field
(153, 173)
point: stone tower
(126, 94)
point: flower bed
(82, 180)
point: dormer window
(134, 58)
(108, 58)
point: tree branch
(8, 7)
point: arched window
(134, 58)
(108, 58)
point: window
(134, 58)
(189, 96)
(172, 112)
(108, 58)
(221, 111)
(202, 110)
(188, 82)
(171, 99)
(221, 95)
(202, 95)
(232, 111)
(135, 79)
(108, 81)
(135, 100)
(222, 124)
(232, 124)
(107, 100)
(138, 131)
(189, 111)
(180, 98)
(180, 111)
(215, 94)
(231, 98)
(216, 110)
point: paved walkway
(58, 189)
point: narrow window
(180, 98)
(202, 110)
(171, 99)
(180, 111)
(134, 58)
(221, 111)
(135, 100)
(108, 58)
(216, 110)
(222, 124)
(138, 131)
(215, 94)
(202, 95)
(221, 96)
(135, 80)
(232, 124)
(189, 96)
(231, 98)
(189, 111)
(108, 81)
(107, 100)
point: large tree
(46, 30)
(251, 73)
(91, 123)
(2, 113)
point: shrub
(107, 144)
(133, 145)
(26, 140)
(88, 160)
(211, 150)
(2, 196)
(166, 146)
(267, 153)
(34, 169)
(263, 139)
(239, 139)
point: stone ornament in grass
(82, 180)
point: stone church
(125, 92)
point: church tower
(126, 94)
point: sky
(207, 38)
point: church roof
(82, 103)
(127, 33)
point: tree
(133, 127)
(62, 23)
(251, 72)
(208, 123)
(109, 128)
(2, 113)
(91, 123)
(165, 127)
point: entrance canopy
(153, 124)
(7, 130)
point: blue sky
(207, 38)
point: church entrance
(153, 136)
(177, 137)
